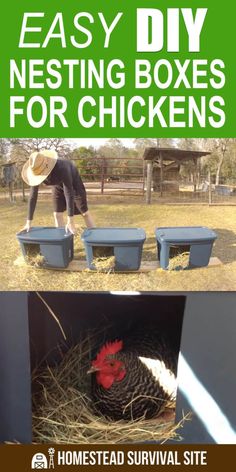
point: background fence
(126, 178)
(111, 176)
(204, 191)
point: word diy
(150, 29)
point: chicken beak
(92, 370)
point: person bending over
(68, 190)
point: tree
(9, 173)
(219, 147)
(142, 143)
(18, 151)
(113, 154)
(4, 147)
(29, 145)
(87, 161)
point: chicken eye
(112, 363)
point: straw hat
(38, 167)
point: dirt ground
(120, 211)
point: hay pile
(104, 264)
(33, 261)
(63, 411)
(36, 261)
(179, 262)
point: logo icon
(51, 452)
(39, 461)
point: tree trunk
(103, 176)
(161, 174)
(210, 189)
(219, 166)
(194, 176)
(149, 182)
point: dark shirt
(64, 173)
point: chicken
(134, 378)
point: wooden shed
(9, 173)
(163, 166)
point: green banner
(117, 69)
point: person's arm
(68, 189)
(33, 196)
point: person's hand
(70, 227)
(26, 227)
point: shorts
(59, 201)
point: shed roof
(172, 154)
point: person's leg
(81, 206)
(88, 219)
(59, 219)
(59, 205)
(80, 199)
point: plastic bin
(198, 240)
(54, 244)
(124, 243)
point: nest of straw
(104, 264)
(36, 260)
(179, 262)
(63, 411)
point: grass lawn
(123, 212)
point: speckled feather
(139, 394)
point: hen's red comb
(109, 349)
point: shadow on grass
(225, 245)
